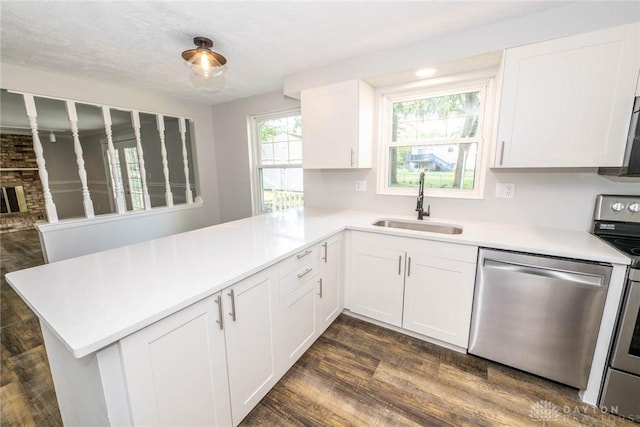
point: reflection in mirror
(92, 151)
(91, 135)
(19, 176)
(58, 150)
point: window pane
(135, 180)
(279, 141)
(281, 188)
(446, 165)
(441, 117)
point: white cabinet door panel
(295, 325)
(567, 102)
(249, 339)
(438, 298)
(175, 369)
(330, 291)
(377, 277)
(337, 126)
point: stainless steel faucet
(419, 207)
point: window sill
(427, 195)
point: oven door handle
(622, 359)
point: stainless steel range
(617, 221)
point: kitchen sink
(419, 226)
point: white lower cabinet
(330, 289)
(377, 276)
(310, 299)
(438, 293)
(175, 371)
(420, 285)
(295, 312)
(208, 364)
(249, 337)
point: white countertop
(95, 300)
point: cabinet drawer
(299, 260)
(303, 274)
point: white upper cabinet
(567, 102)
(337, 126)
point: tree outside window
(438, 132)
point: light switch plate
(361, 185)
(505, 191)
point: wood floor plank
(15, 408)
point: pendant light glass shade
(204, 64)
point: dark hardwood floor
(27, 396)
(355, 374)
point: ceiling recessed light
(426, 72)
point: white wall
(556, 198)
(44, 83)
(230, 129)
(577, 17)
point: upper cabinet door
(567, 102)
(337, 126)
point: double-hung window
(277, 161)
(438, 131)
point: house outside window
(276, 145)
(438, 131)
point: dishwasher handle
(569, 276)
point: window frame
(257, 192)
(483, 82)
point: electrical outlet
(505, 191)
(361, 185)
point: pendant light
(206, 67)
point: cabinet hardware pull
(220, 320)
(352, 157)
(307, 271)
(320, 288)
(399, 265)
(324, 245)
(233, 305)
(409, 267)
(307, 252)
(501, 152)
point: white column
(165, 164)
(135, 120)
(185, 159)
(50, 207)
(118, 193)
(86, 196)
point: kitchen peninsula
(105, 316)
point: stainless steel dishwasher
(539, 314)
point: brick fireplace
(18, 168)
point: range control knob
(634, 207)
(617, 206)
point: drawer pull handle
(307, 271)
(302, 255)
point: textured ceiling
(138, 44)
